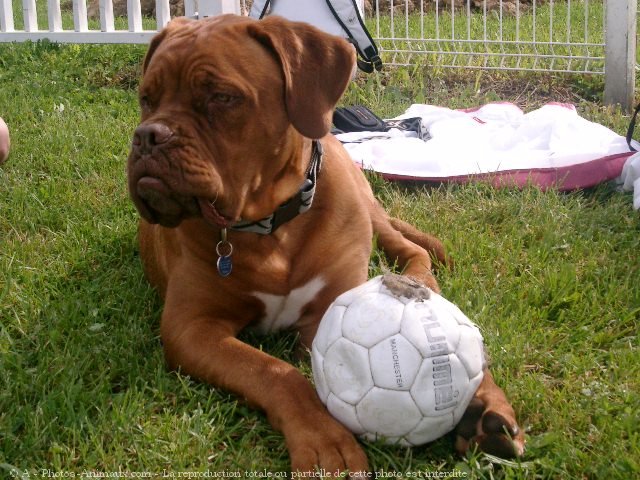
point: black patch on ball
(402, 286)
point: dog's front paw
(327, 447)
(492, 428)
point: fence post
(208, 8)
(620, 53)
(6, 16)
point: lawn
(551, 278)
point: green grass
(552, 279)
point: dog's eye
(223, 98)
(220, 103)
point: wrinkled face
(200, 148)
(223, 118)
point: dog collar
(299, 203)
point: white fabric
(315, 12)
(495, 137)
(630, 178)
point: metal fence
(568, 36)
(564, 36)
(571, 36)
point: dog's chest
(283, 311)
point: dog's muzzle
(156, 185)
(148, 173)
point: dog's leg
(408, 246)
(202, 344)
(490, 423)
(430, 243)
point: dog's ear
(160, 37)
(317, 68)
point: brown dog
(245, 223)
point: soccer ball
(394, 361)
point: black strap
(632, 127)
(267, 4)
(364, 66)
(299, 203)
(370, 57)
(370, 60)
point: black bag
(357, 118)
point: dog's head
(227, 103)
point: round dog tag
(224, 266)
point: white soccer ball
(394, 361)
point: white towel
(493, 138)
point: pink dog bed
(550, 147)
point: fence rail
(572, 36)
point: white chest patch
(282, 311)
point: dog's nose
(150, 135)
